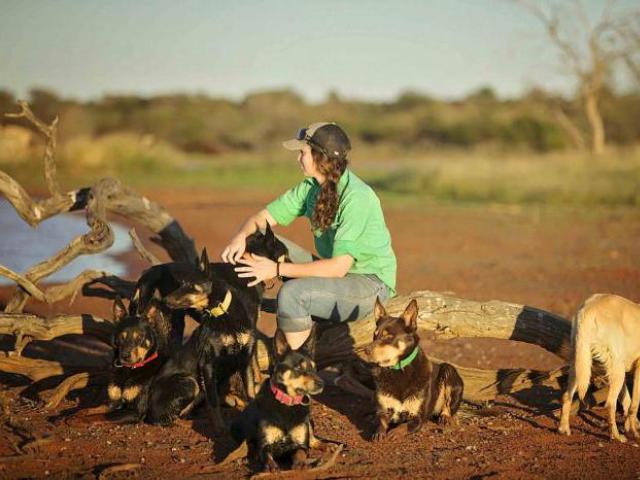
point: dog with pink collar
(278, 423)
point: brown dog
(409, 388)
(606, 327)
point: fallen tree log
(38, 328)
(449, 317)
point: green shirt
(358, 229)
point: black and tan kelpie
(215, 292)
(178, 386)
(141, 343)
(409, 388)
(277, 423)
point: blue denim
(302, 300)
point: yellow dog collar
(222, 307)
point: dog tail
(580, 335)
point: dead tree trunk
(450, 317)
(107, 195)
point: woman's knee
(293, 307)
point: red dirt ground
(552, 259)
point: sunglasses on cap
(303, 136)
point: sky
(363, 49)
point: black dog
(408, 387)
(191, 279)
(216, 288)
(142, 343)
(277, 422)
(177, 388)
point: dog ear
(119, 310)
(152, 312)
(309, 345)
(378, 310)
(268, 233)
(280, 345)
(410, 315)
(134, 302)
(204, 261)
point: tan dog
(606, 327)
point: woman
(356, 263)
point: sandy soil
(551, 259)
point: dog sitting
(231, 318)
(409, 388)
(234, 329)
(141, 343)
(606, 327)
(277, 423)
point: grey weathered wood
(446, 316)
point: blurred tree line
(537, 121)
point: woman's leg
(334, 299)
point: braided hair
(326, 206)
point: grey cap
(327, 137)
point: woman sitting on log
(356, 263)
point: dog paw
(299, 460)
(619, 438)
(398, 432)
(444, 420)
(562, 430)
(378, 436)
(414, 426)
(270, 466)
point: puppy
(278, 422)
(606, 327)
(408, 387)
(141, 345)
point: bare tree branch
(23, 282)
(144, 253)
(50, 132)
(591, 59)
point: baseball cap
(327, 137)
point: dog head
(394, 337)
(195, 286)
(267, 245)
(294, 372)
(134, 339)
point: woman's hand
(234, 251)
(259, 267)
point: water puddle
(22, 246)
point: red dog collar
(144, 362)
(286, 399)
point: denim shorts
(332, 299)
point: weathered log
(38, 328)
(448, 317)
(106, 195)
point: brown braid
(327, 201)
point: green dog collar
(407, 360)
